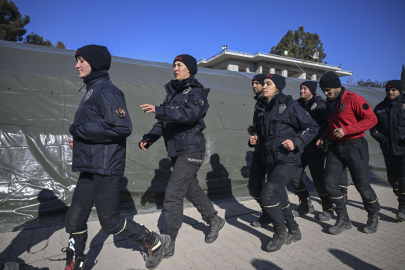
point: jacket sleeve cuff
(160, 112)
(298, 143)
(72, 130)
(345, 130)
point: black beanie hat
(397, 84)
(259, 78)
(189, 61)
(97, 56)
(311, 86)
(278, 80)
(330, 80)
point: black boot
(156, 244)
(262, 221)
(294, 233)
(401, 211)
(280, 238)
(305, 205)
(73, 263)
(343, 222)
(169, 252)
(372, 223)
(327, 213)
(216, 223)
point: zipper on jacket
(111, 116)
(92, 151)
(105, 155)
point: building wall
(269, 67)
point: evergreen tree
(37, 40)
(300, 44)
(403, 74)
(11, 22)
(12, 26)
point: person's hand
(250, 130)
(339, 133)
(147, 108)
(143, 145)
(70, 142)
(253, 140)
(288, 144)
(320, 143)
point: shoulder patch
(120, 112)
(313, 106)
(88, 94)
(201, 102)
(365, 106)
(341, 107)
(281, 108)
(307, 113)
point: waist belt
(349, 142)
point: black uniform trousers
(396, 174)
(103, 192)
(316, 164)
(183, 182)
(274, 196)
(258, 171)
(353, 154)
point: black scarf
(306, 104)
(270, 103)
(95, 76)
(391, 101)
(332, 104)
(180, 85)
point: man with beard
(348, 115)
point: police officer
(258, 167)
(100, 128)
(390, 133)
(314, 157)
(285, 130)
(181, 122)
(349, 115)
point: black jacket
(390, 129)
(100, 128)
(317, 110)
(181, 119)
(284, 119)
(259, 107)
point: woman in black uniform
(285, 129)
(180, 120)
(99, 131)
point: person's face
(305, 93)
(331, 93)
(83, 67)
(269, 88)
(392, 93)
(180, 71)
(257, 88)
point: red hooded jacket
(355, 118)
